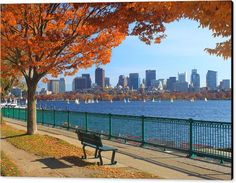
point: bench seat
(94, 141)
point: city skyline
(187, 53)
(133, 81)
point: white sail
(124, 100)
(76, 101)
(128, 100)
(111, 101)
(205, 99)
(171, 100)
(153, 100)
(144, 100)
(96, 100)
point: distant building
(53, 86)
(123, 82)
(181, 86)
(62, 85)
(170, 84)
(17, 92)
(150, 76)
(195, 81)
(134, 81)
(88, 80)
(100, 77)
(79, 83)
(107, 82)
(43, 91)
(224, 84)
(211, 80)
(182, 77)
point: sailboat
(205, 99)
(171, 100)
(68, 101)
(124, 100)
(111, 101)
(77, 101)
(153, 100)
(128, 100)
(144, 100)
(96, 100)
(192, 100)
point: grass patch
(42, 145)
(8, 168)
(47, 146)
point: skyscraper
(150, 76)
(62, 85)
(211, 80)
(182, 77)
(107, 82)
(134, 81)
(79, 83)
(122, 81)
(100, 77)
(88, 80)
(170, 84)
(53, 86)
(225, 84)
(195, 80)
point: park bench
(94, 141)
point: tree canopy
(61, 38)
(53, 38)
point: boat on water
(192, 100)
(205, 99)
(128, 100)
(111, 101)
(153, 100)
(144, 100)
(68, 101)
(124, 100)
(96, 100)
(77, 101)
(171, 100)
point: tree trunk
(32, 120)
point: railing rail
(195, 137)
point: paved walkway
(163, 164)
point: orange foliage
(40, 39)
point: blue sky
(182, 50)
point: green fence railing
(194, 137)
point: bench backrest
(90, 138)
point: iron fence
(195, 137)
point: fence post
(191, 154)
(42, 116)
(54, 117)
(25, 115)
(19, 113)
(110, 126)
(68, 120)
(86, 121)
(13, 112)
(143, 137)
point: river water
(212, 110)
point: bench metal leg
(96, 153)
(85, 156)
(113, 158)
(100, 157)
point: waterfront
(212, 110)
